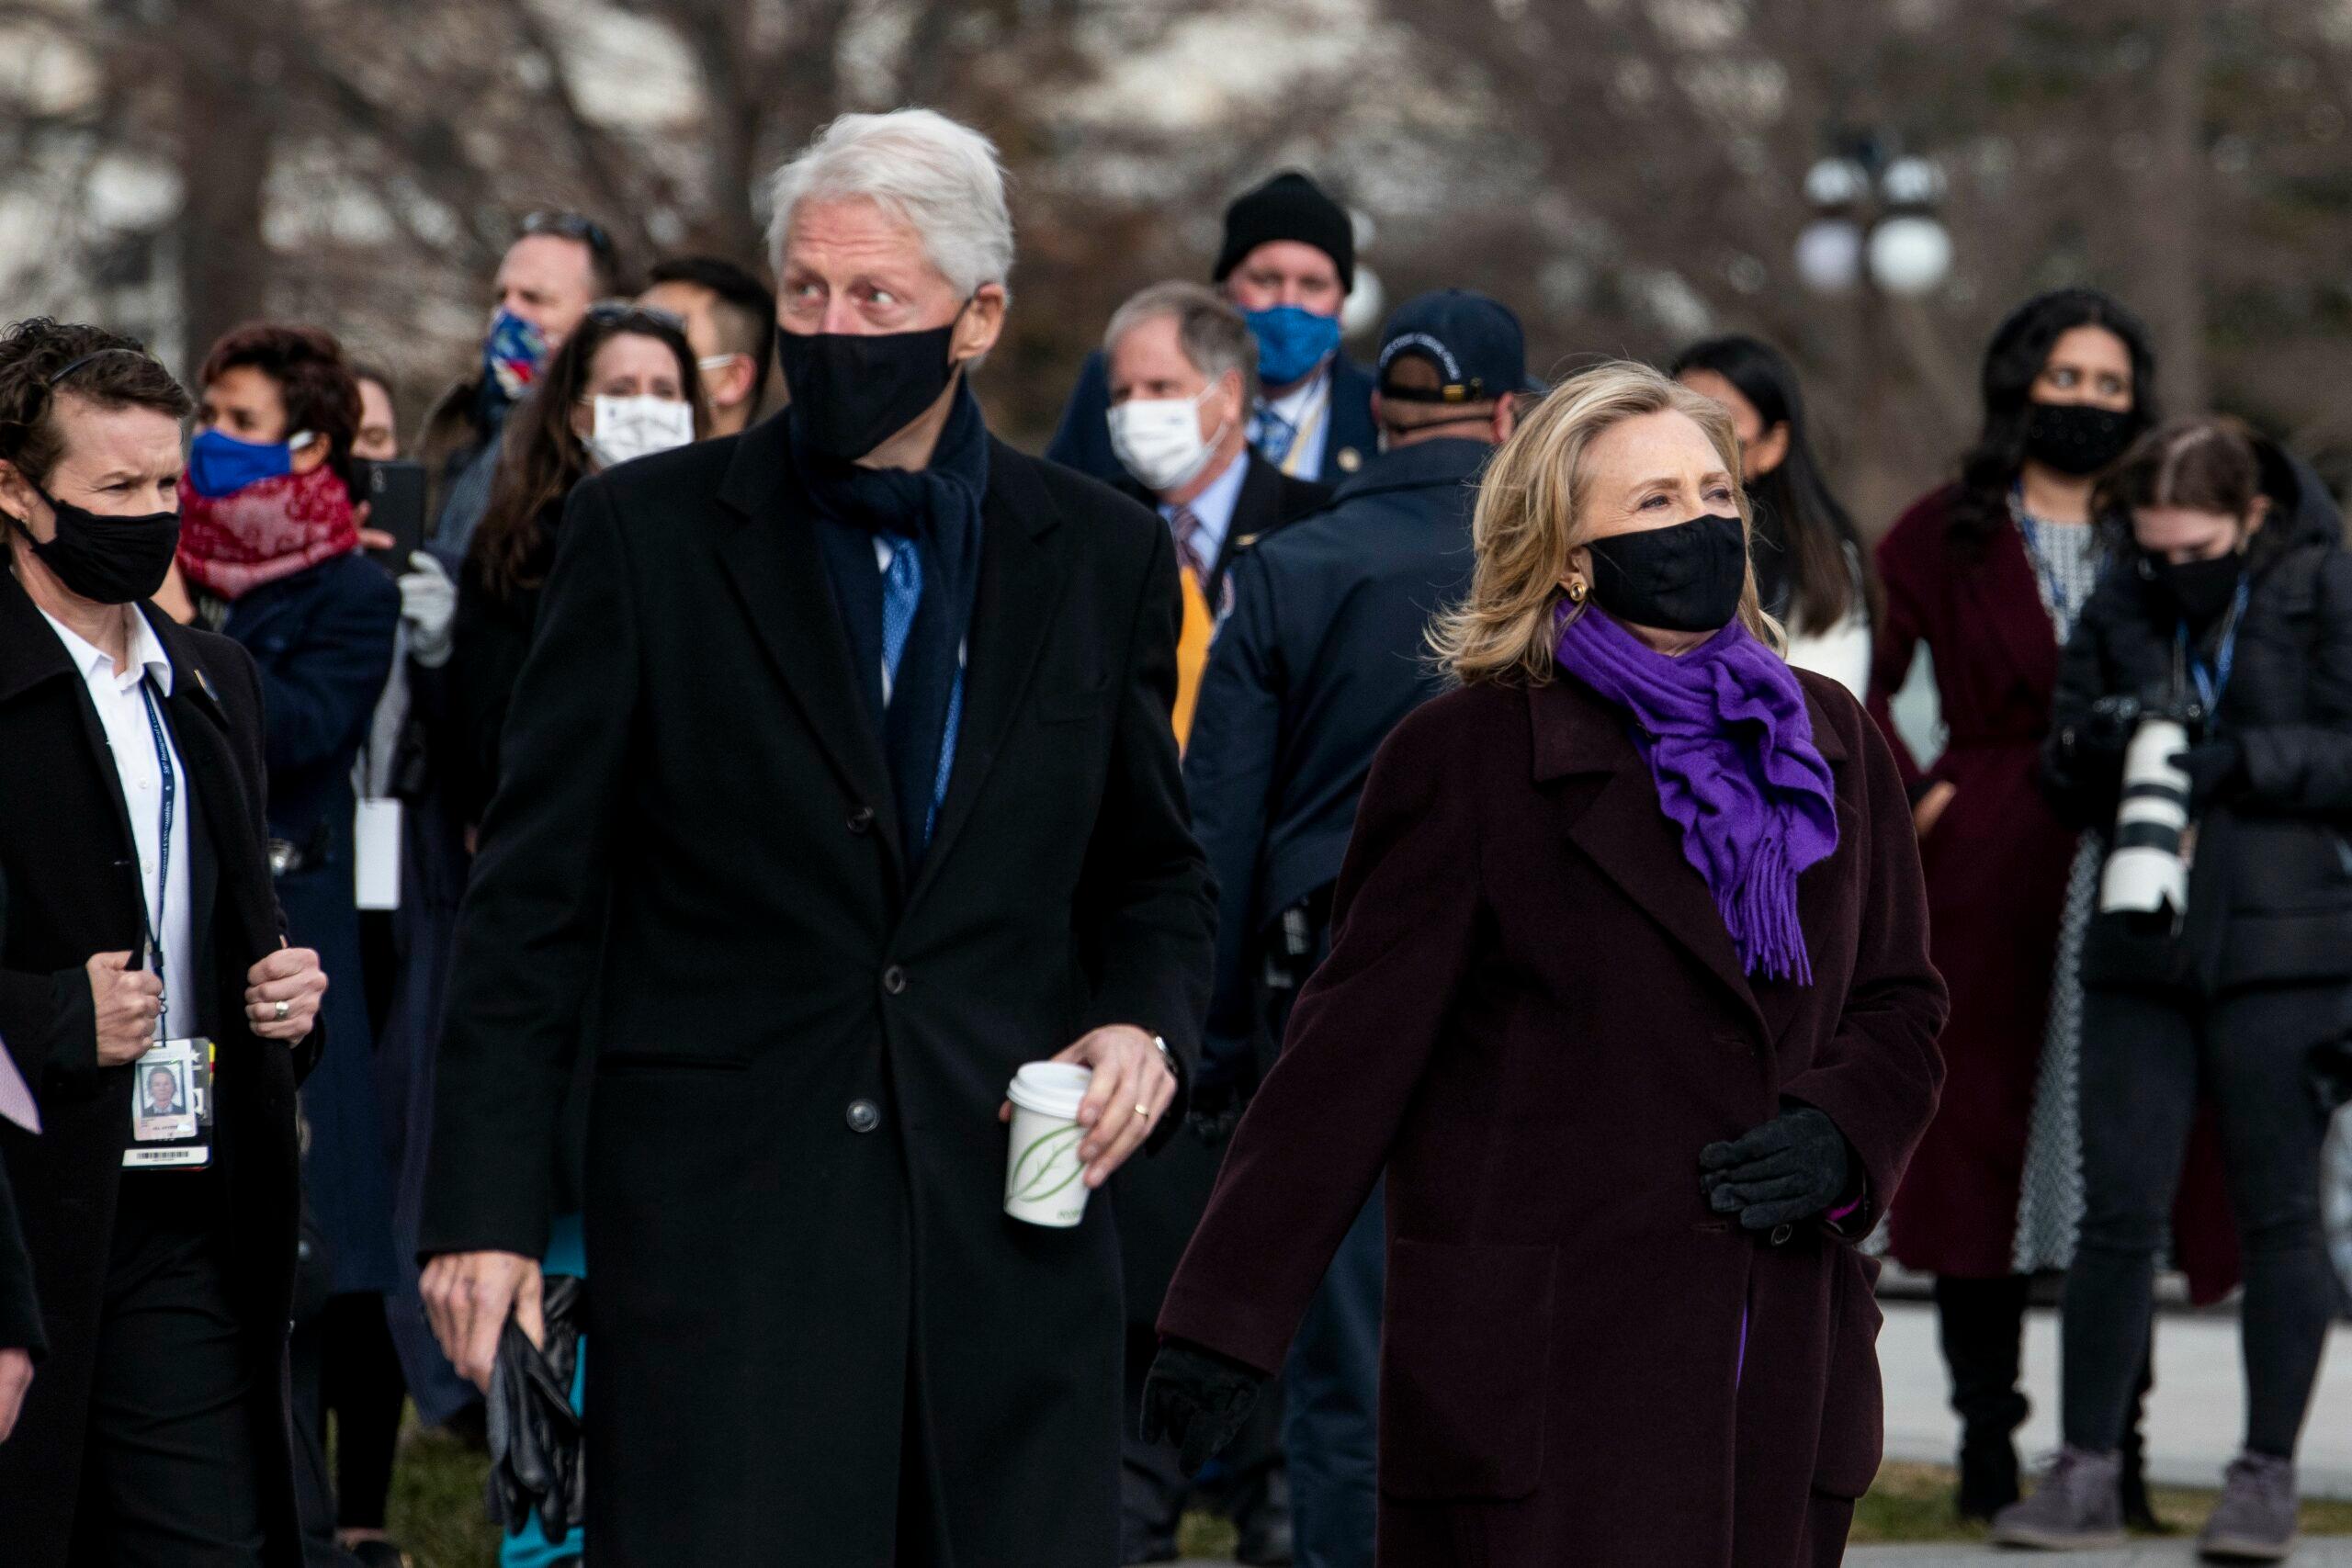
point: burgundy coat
(1997, 864)
(1534, 1018)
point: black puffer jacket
(2270, 890)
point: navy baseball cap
(1476, 344)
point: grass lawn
(436, 1511)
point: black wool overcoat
(65, 853)
(801, 1280)
(1534, 1018)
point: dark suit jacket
(795, 1167)
(65, 848)
(1532, 1018)
(1082, 439)
(1270, 499)
(20, 1309)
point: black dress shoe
(1262, 1526)
(378, 1554)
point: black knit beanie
(1289, 206)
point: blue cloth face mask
(1291, 341)
(219, 465)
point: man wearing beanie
(1288, 263)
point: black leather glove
(1213, 1110)
(1197, 1400)
(2106, 730)
(2216, 771)
(1793, 1167)
(535, 1434)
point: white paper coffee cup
(1042, 1171)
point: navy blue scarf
(938, 510)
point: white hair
(945, 179)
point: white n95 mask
(1158, 440)
(638, 428)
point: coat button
(894, 980)
(861, 819)
(864, 1116)
(1781, 1235)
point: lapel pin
(1349, 459)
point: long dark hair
(540, 459)
(1825, 551)
(2021, 347)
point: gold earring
(1576, 591)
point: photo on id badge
(169, 1087)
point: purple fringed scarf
(1730, 744)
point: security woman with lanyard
(2229, 610)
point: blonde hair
(1526, 525)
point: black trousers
(2144, 1057)
(168, 1478)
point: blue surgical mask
(219, 465)
(1291, 341)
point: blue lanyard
(163, 851)
(2045, 565)
(2213, 680)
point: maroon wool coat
(1996, 864)
(1534, 1018)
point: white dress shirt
(1213, 508)
(122, 715)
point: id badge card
(376, 853)
(171, 1107)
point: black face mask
(852, 392)
(109, 560)
(2201, 589)
(2075, 439)
(1685, 577)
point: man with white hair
(839, 784)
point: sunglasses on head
(572, 225)
(621, 312)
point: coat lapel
(217, 777)
(2007, 599)
(1018, 593)
(777, 570)
(1623, 831)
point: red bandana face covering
(270, 529)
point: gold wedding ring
(1144, 1111)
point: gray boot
(2255, 1520)
(2079, 1504)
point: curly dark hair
(539, 457)
(42, 360)
(2021, 347)
(307, 365)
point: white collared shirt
(1213, 508)
(122, 715)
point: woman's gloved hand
(429, 605)
(1792, 1167)
(1197, 1400)
(2216, 771)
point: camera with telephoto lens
(2146, 872)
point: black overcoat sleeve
(19, 1312)
(1229, 773)
(1405, 915)
(1144, 894)
(1879, 1073)
(2308, 766)
(529, 932)
(306, 1051)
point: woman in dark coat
(1987, 576)
(1630, 998)
(2230, 608)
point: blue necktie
(1275, 435)
(901, 597)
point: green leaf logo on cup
(1042, 1169)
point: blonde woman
(1630, 998)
